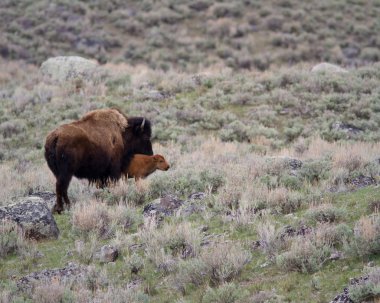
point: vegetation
(193, 35)
(288, 159)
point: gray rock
(347, 128)
(107, 253)
(48, 197)
(64, 68)
(190, 207)
(336, 255)
(344, 297)
(198, 196)
(68, 274)
(169, 204)
(328, 68)
(33, 216)
(371, 264)
(164, 206)
(362, 181)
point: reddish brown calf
(142, 166)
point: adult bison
(97, 147)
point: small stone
(107, 253)
(336, 255)
(204, 228)
(198, 196)
(371, 264)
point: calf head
(161, 163)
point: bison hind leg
(62, 185)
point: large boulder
(327, 68)
(33, 216)
(65, 68)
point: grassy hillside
(192, 35)
(288, 159)
(267, 230)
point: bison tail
(51, 154)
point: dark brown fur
(141, 166)
(97, 147)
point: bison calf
(142, 166)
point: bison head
(137, 136)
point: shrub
(304, 256)
(332, 235)
(225, 261)
(185, 182)
(270, 241)
(325, 213)
(235, 131)
(265, 297)
(10, 128)
(170, 242)
(193, 272)
(226, 293)
(86, 250)
(125, 216)
(367, 236)
(314, 171)
(135, 263)
(367, 289)
(11, 238)
(51, 293)
(91, 216)
(284, 201)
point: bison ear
(156, 158)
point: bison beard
(97, 147)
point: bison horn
(142, 124)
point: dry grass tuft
(51, 293)
(172, 241)
(225, 261)
(91, 216)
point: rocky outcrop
(33, 216)
(170, 204)
(344, 297)
(68, 274)
(350, 130)
(327, 68)
(65, 68)
(164, 206)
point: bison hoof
(57, 209)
